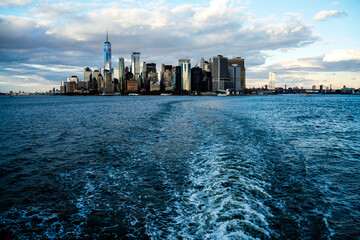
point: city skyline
(306, 43)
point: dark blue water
(153, 167)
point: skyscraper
(95, 79)
(87, 74)
(177, 77)
(186, 75)
(235, 76)
(107, 54)
(115, 73)
(96, 73)
(135, 67)
(196, 79)
(166, 80)
(88, 78)
(121, 73)
(220, 73)
(109, 88)
(149, 75)
(272, 76)
(241, 63)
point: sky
(305, 42)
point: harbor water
(180, 167)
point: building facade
(186, 75)
(107, 54)
(167, 81)
(196, 79)
(241, 63)
(235, 76)
(207, 82)
(149, 74)
(88, 78)
(100, 83)
(94, 79)
(135, 67)
(121, 73)
(109, 88)
(177, 77)
(87, 74)
(220, 73)
(166, 76)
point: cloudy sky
(308, 42)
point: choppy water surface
(151, 167)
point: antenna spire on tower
(107, 36)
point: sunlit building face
(186, 76)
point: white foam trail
(225, 195)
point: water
(152, 167)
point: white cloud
(334, 3)
(342, 55)
(54, 36)
(8, 3)
(218, 10)
(185, 27)
(47, 14)
(324, 15)
(183, 10)
(300, 63)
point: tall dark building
(177, 77)
(121, 73)
(151, 67)
(220, 73)
(207, 82)
(196, 79)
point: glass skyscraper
(107, 54)
(135, 67)
(135, 64)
